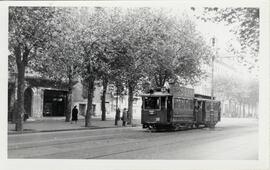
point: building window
(82, 109)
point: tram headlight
(151, 112)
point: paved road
(232, 139)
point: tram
(177, 108)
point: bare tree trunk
(90, 96)
(130, 103)
(256, 109)
(244, 110)
(240, 109)
(249, 108)
(20, 98)
(21, 61)
(13, 102)
(103, 99)
(69, 97)
(230, 108)
(69, 101)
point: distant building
(79, 98)
(226, 68)
(42, 97)
(48, 98)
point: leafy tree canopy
(244, 23)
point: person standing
(124, 117)
(74, 114)
(117, 116)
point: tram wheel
(207, 125)
(176, 127)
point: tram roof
(202, 99)
(158, 94)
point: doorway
(55, 103)
(169, 108)
(82, 109)
(28, 101)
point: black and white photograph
(135, 85)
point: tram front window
(151, 103)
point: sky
(223, 37)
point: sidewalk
(59, 124)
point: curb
(27, 131)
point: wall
(37, 102)
(77, 99)
(81, 102)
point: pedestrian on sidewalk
(74, 114)
(124, 117)
(117, 116)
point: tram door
(203, 111)
(169, 108)
(163, 109)
(199, 116)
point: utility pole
(116, 107)
(212, 125)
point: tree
(236, 89)
(103, 28)
(253, 91)
(158, 48)
(108, 68)
(61, 61)
(126, 47)
(129, 45)
(177, 51)
(29, 31)
(90, 33)
(244, 23)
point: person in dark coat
(117, 116)
(124, 117)
(74, 114)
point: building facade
(112, 101)
(45, 98)
(229, 69)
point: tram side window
(177, 103)
(186, 104)
(216, 106)
(208, 106)
(151, 103)
(191, 105)
(182, 104)
(163, 102)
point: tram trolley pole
(212, 124)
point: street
(232, 139)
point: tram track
(162, 145)
(58, 141)
(100, 149)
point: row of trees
(233, 89)
(132, 48)
(244, 23)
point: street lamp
(213, 41)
